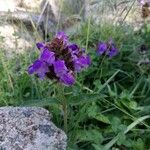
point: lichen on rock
(29, 128)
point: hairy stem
(63, 101)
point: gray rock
(29, 128)
(116, 12)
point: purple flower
(101, 48)
(67, 79)
(107, 48)
(59, 60)
(60, 68)
(113, 51)
(40, 45)
(47, 56)
(38, 67)
(62, 36)
(81, 63)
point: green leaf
(40, 102)
(121, 138)
(133, 105)
(92, 109)
(115, 122)
(84, 98)
(90, 135)
(97, 146)
(139, 145)
(145, 109)
(94, 113)
(101, 118)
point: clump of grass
(108, 106)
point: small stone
(29, 128)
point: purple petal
(85, 61)
(68, 79)
(88, 60)
(40, 45)
(81, 63)
(77, 66)
(47, 56)
(101, 48)
(60, 67)
(39, 68)
(74, 49)
(34, 67)
(63, 36)
(112, 52)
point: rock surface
(29, 128)
(16, 40)
(13, 5)
(128, 11)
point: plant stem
(63, 102)
(65, 115)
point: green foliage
(107, 101)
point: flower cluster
(59, 60)
(108, 48)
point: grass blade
(130, 127)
